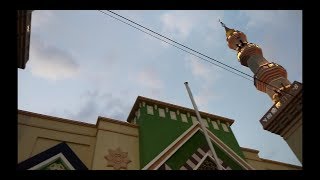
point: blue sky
(84, 64)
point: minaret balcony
(266, 73)
(284, 113)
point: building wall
(163, 124)
(37, 133)
(258, 163)
(113, 135)
(91, 143)
(190, 147)
(294, 140)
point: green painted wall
(228, 138)
(156, 133)
(185, 152)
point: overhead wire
(186, 48)
(176, 46)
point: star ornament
(117, 159)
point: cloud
(149, 78)
(204, 73)
(95, 103)
(180, 24)
(275, 18)
(41, 18)
(200, 69)
(51, 62)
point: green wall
(156, 133)
(185, 152)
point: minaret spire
(228, 30)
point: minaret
(270, 78)
(285, 116)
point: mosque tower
(285, 116)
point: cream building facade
(109, 144)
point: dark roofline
(181, 109)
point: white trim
(173, 115)
(134, 120)
(161, 112)
(155, 107)
(167, 167)
(215, 125)
(194, 120)
(169, 147)
(224, 127)
(200, 162)
(204, 158)
(150, 110)
(183, 168)
(230, 152)
(196, 157)
(184, 118)
(53, 158)
(217, 141)
(201, 151)
(143, 104)
(205, 122)
(190, 163)
(138, 113)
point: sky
(85, 64)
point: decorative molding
(150, 110)
(51, 160)
(215, 125)
(155, 107)
(161, 112)
(229, 151)
(224, 127)
(138, 113)
(173, 107)
(205, 122)
(175, 145)
(184, 118)
(117, 159)
(173, 115)
(61, 152)
(194, 120)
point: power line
(187, 48)
(180, 44)
(177, 46)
